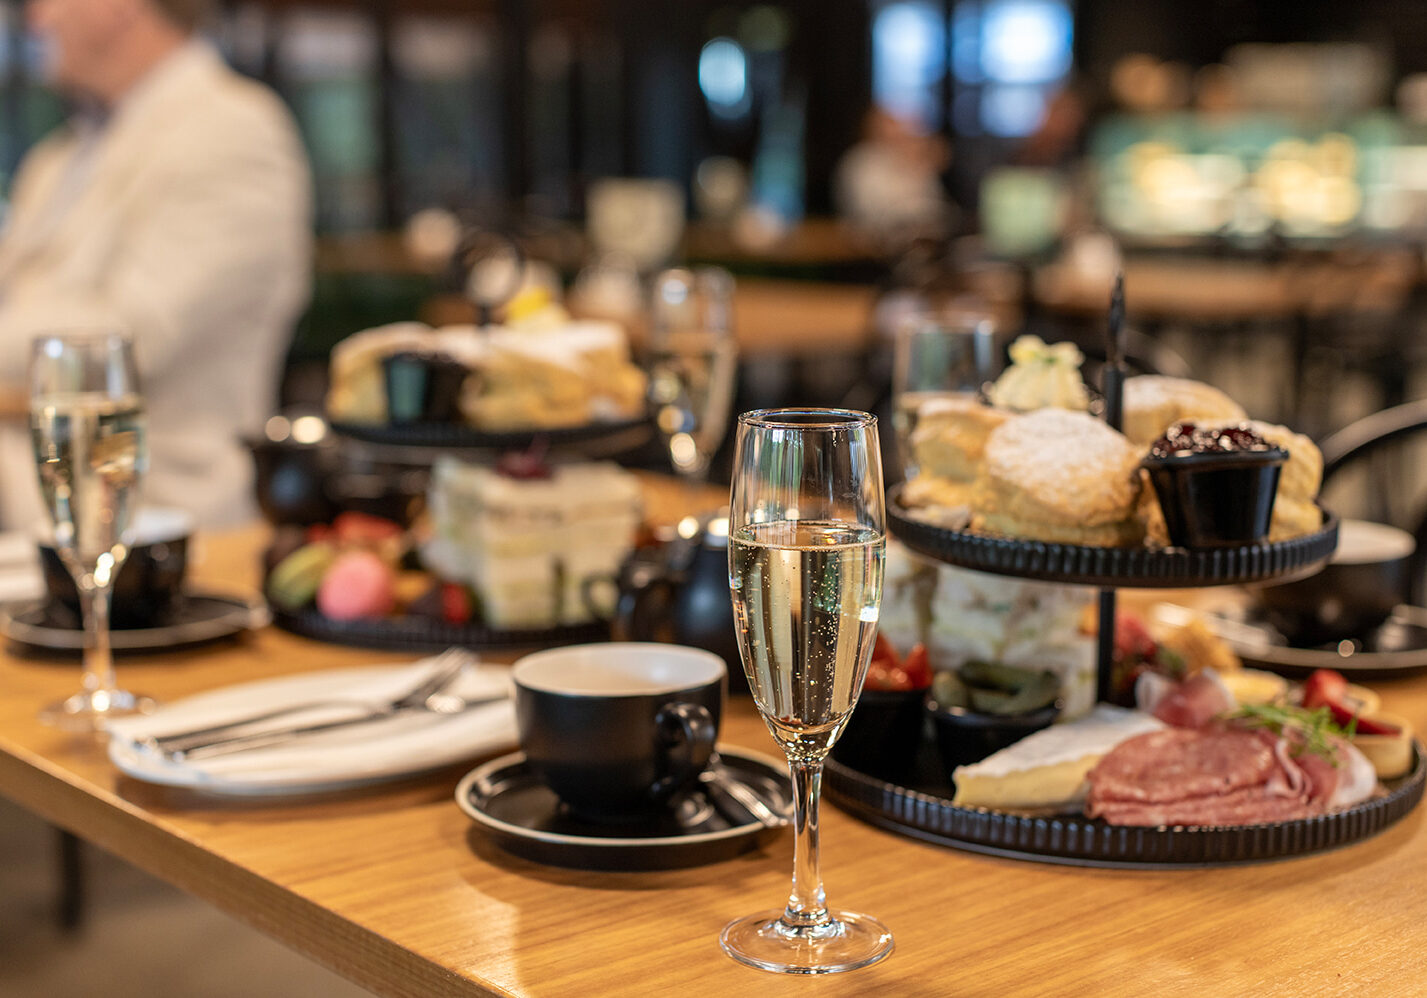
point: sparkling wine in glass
(807, 539)
(950, 353)
(693, 364)
(87, 428)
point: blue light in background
(723, 76)
(1026, 41)
(908, 59)
(1011, 111)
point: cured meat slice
(1245, 806)
(1179, 763)
(1194, 702)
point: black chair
(1370, 443)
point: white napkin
(410, 742)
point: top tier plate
(1134, 567)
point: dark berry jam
(1186, 437)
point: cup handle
(687, 734)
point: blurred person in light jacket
(175, 204)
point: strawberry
(455, 603)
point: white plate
(389, 749)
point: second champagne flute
(693, 364)
(87, 428)
(807, 541)
(948, 354)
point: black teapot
(677, 591)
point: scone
(1059, 476)
(1295, 511)
(1153, 403)
(923, 491)
(950, 439)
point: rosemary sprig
(1312, 728)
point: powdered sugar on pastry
(1055, 470)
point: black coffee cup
(150, 582)
(616, 730)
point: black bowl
(1216, 499)
(1352, 595)
(964, 736)
(149, 583)
(884, 732)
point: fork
(438, 703)
(447, 666)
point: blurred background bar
(1259, 172)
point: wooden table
(393, 888)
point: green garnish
(1308, 730)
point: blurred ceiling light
(908, 59)
(308, 429)
(723, 77)
(1026, 41)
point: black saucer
(197, 617)
(524, 817)
(1397, 648)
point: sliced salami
(1245, 806)
(1178, 764)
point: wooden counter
(393, 888)
(790, 320)
(1208, 290)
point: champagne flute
(87, 428)
(807, 542)
(946, 354)
(693, 364)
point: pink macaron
(359, 584)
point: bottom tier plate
(919, 805)
(420, 634)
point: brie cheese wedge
(1047, 769)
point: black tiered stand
(919, 803)
(1112, 569)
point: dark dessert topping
(1186, 437)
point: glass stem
(94, 602)
(806, 904)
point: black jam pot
(1216, 498)
(423, 388)
(964, 736)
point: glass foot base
(767, 942)
(89, 711)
